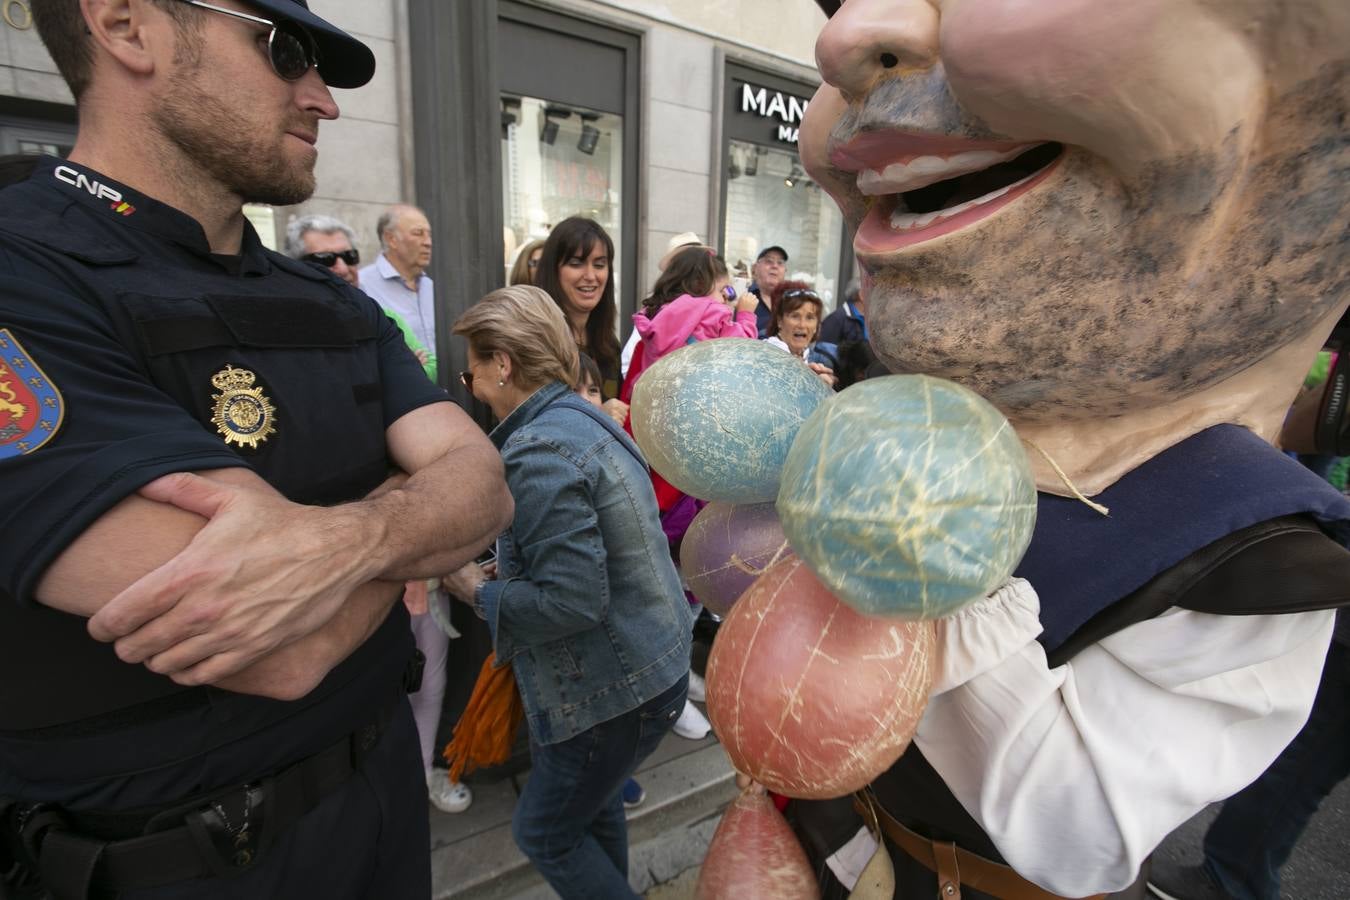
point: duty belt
(221, 834)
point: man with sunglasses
(327, 242)
(205, 663)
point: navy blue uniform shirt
(130, 351)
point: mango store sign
(785, 108)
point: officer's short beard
(221, 144)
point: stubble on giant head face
(1182, 213)
(231, 139)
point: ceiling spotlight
(548, 133)
(794, 176)
(752, 164)
(590, 135)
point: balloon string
(1065, 478)
(751, 570)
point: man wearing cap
(768, 271)
(198, 447)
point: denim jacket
(587, 606)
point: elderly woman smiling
(586, 606)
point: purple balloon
(726, 548)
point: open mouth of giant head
(922, 187)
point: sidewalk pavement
(688, 785)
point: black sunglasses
(290, 48)
(466, 379)
(328, 259)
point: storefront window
(559, 161)
(34, 137)
(771, 201)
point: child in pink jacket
(687, 305)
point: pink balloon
(808, 697)
(726, 548)
(755, 854)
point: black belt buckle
(32, 822)
(25, 826)
(228, 831)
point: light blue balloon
(716, 418)
(908, 496)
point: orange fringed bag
(486, 732)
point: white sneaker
(698, 691)
(445, 795)
(691, 723)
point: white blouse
(1077, 773)
(782, 345)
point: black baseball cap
(344, 62)
(772, 249)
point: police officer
(205, 531)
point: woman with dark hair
(574, 269)
(795, 324)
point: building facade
(502, 117)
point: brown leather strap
(956, 867)
(948, 869)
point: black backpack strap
(1283, 565)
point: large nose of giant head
(871, 39)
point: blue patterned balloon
(908, 496)
(716, 418)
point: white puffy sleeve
(1076, 773)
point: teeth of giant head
(925, 170)
(901, 220)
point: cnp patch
(31, 408)
(243, 414)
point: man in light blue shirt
(397, 279)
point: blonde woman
(586, 605)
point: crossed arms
(214, 577)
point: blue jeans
(1257, 828)
(569, 821)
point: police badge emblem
(243, 414)
(31, 408)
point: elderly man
(767, 273)
(1126, 226)
(325, 241)
(398, 278)
(202, 530)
